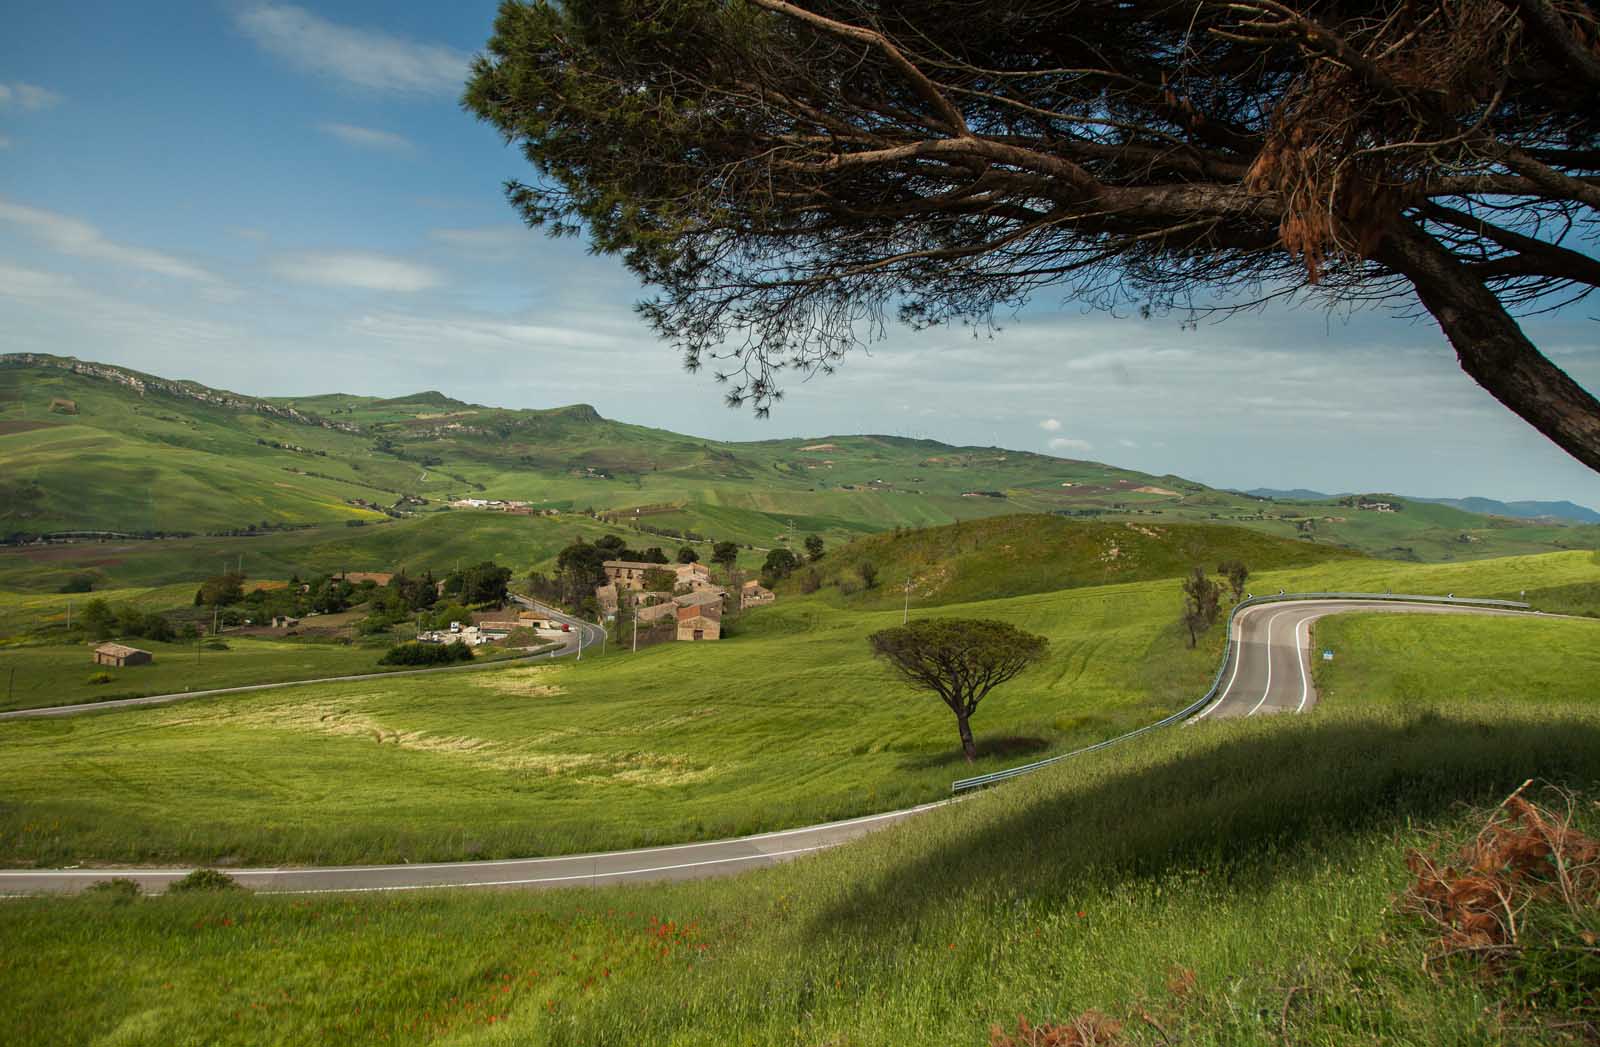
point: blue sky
(286, 199)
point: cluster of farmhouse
(682, 597)
(502, 506)
(694, 604)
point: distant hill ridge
(1523, 510)
(96, 446)
(143, 383)
(1562, 510)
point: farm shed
(120, 655)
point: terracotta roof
(709, 610)
(656, 611)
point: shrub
(204, 880)
(120, 890)
(427, 654)
(99, 677)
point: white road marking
(1268, 690)
(1238, 656)
(566, 879)
(1305, 681)
(420, 866)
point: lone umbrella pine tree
(782, 173)
(959, 659)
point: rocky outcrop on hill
(144, 384)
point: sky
(286, 199)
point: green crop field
(1233, 883)
(678, 742)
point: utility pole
(636, 630)
(69, 616)
(906, 617)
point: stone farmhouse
(696, 608)
(629, 574)
(700, 621)
(119, 655)
(754, 594)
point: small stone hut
(120, 655)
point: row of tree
(1202, 596)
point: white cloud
(80, 239)
(366, 57)
(584, 333)
(486, 238)
(367, 137)
(30, 98)
(1067, 443)
(1050, 425)
(366, 270)
(1127, 443)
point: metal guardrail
(979, 781)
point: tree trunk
(967, 745)
(1491, 346)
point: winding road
(1270, 667)
(1268, 671)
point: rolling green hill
(92, 447)
(1014, 555)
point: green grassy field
(672, 744)
(1013, 555)
(61, 674)
(1227, 884)
(1410, 660)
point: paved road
(584, 636)
(1271, 668)
(681, 862)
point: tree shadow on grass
(1006, 747)
(1248, 802)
